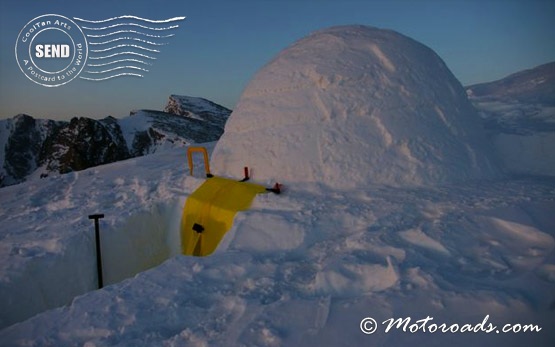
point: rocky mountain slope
(31, 148)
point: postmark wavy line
(127, 38)
(123, 53)
(113, 76)
(130, 24)
(124, 46)
(131, 17)
(118, 68)
(130, 32)
(128, 60)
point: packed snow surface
(298, 269)
(359, 100)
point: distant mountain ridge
(532, 86)
(519, 115)
(521, 103)
(32, 147)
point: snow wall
(133, 244)
(353, 105)
(530, 154)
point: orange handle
(190, 151)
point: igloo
(355, 105)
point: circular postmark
(51, 50)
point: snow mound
(352, 105)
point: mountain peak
(36, 147)
(198, 108)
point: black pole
(96, 217)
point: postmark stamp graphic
(51, 50)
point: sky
(221, 44)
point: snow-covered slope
(519, 115)
(532, 86)
(46, 251)
(198, 108)
(355, 99)
(299, 269)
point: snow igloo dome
(350, 106)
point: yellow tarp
(208, 213)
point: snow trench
(142, 241)
(129, 246)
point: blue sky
(222, 43)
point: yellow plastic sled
(209, 212)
